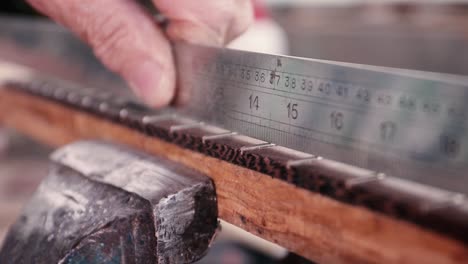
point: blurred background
(422, 35)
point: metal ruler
(402, 123)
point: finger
(206, 21)
(125, 38)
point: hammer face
(71, 217)
(107, 204)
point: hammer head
(104, 203)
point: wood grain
(314, 226)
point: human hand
(125, 37)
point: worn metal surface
(106, 204)
(184, 202)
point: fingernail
(145, 79)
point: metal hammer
(103, 203)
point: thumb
(125, 38)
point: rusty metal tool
(102, 203)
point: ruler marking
(283, 131)
(369, 84)
(298, 99)
(349, 107)
(300, 74)
(289, 92)
(343, 101)
(370, 146)
(295, 126)
(394, 151)
(411, 77)
(407, 120)
(354, 108)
